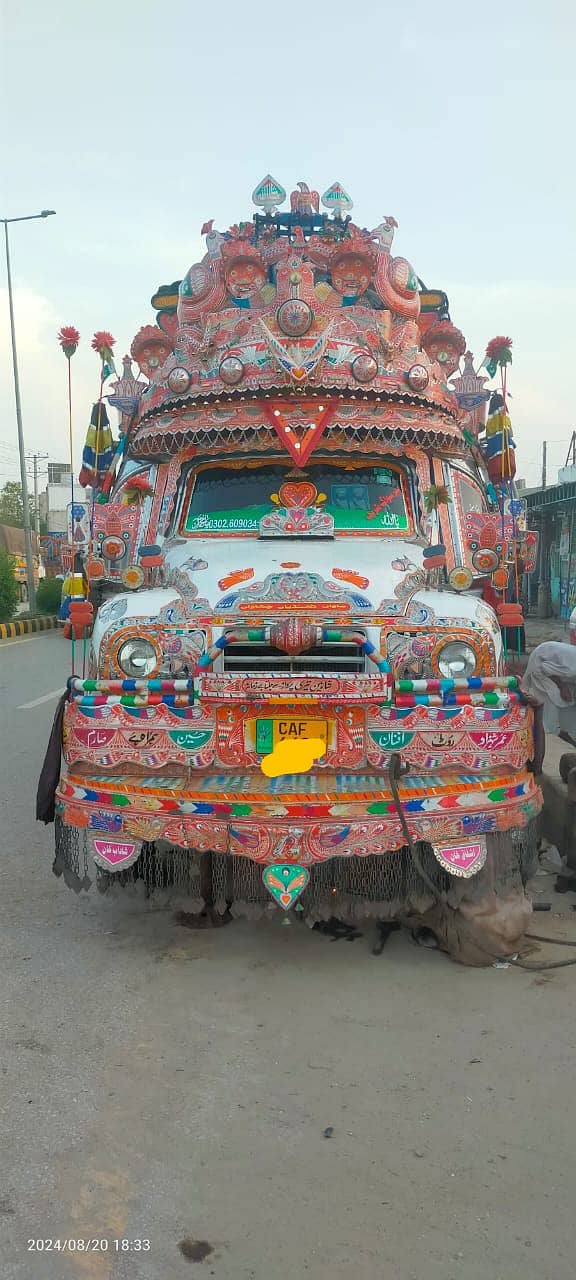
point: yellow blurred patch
(289, 756)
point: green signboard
(190, 739)
(390, 739)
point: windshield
(372, 498)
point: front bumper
(307, 819)
(147, 769)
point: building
(53, 503)
(58, 473)
(552, 512)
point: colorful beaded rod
(261, 635)
(475, 691)
(482, 683)
(130, 686)
(132, 693)
(451, 698)
(135, 700)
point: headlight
(456, 660)
(137, 658)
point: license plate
(270, 732)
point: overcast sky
(137, 121)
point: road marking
(6, 644)
(37, 702)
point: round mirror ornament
(294, 317)
(231, 370)
(485, 559)
(179, 380)
(364, 367)
(418, 377)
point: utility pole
(36, 513)
(544, 464)
(36, 458)
(46, 213)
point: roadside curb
(9, 630)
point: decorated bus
(295, 702)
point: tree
(48, 595)
(9, 592)
(12, 507)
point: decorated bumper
(305, 819)
(155, 764)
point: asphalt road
(302, 1107)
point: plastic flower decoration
(103, 343)
(498, 354)
(68, 339)
(136, 490)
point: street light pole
(46, 213)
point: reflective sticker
(462, 859)
(114, 855)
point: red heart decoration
(293, 494)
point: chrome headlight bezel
(137, 645)
(462, 656)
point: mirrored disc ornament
(133, 577)
(231, 370)
(114, 548)
(418, 377)
(179, 380)
(294, 317)
(460, 578)
(485, 559)
(364, 367)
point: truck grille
(329, 658)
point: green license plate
(291, 728)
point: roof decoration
(150, 349)
(296, 304)
(337, 200)
(445, 344)
(269, 194)
(127, 389)
(472, 398)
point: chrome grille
(329, 658)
